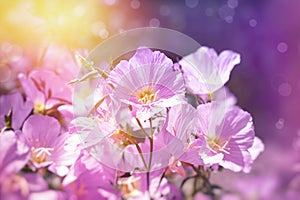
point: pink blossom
(227, 132)
(22, 187)
(42, 134)
(49, 93)
(182, 140)
(147, 82)
(14, 154)
(88, 179)
(204, 71)
(20, 109)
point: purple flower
(42, 134)
(205, 72)
(20, 109)
(49, 94)
(181, 125)
(227, 132)
(147, 82)
(22, 187)
(13, 156)
(88, 179)
(182, 140)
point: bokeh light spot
(279, 124)
(135, 4)
(154, 22)
(285, 89)
(226, 13)
(229, 19)
(252, 22)
(191, 3)
(110, 2)
(232, 3)
(282, 47)
(79, 10)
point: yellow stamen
(146, 95)
(217, 144)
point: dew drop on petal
(252, 22)
(282, 47)
(285, 89)
(279, 124)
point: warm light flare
(64, 22)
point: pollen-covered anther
(218, 145)
(41, 154)
(147, 95)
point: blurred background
(265, 32)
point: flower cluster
(146, 128)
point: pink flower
(205, 72)
(22, 187)
(181, 125)
(42, 134)
(49, 93)
(14, 154)
(227, 132)
(20, 109)
(182, 140)
(88, 179)
(147, 82)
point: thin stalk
(142, 128)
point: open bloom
(227, 132)
(49, 94)
(147, 82)
(182, 141)
(14, 154)
(205, 72)
(88, 179)
(42, 134)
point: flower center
(218, 145)
(41, 154)
(146, 95)
(39, 108)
